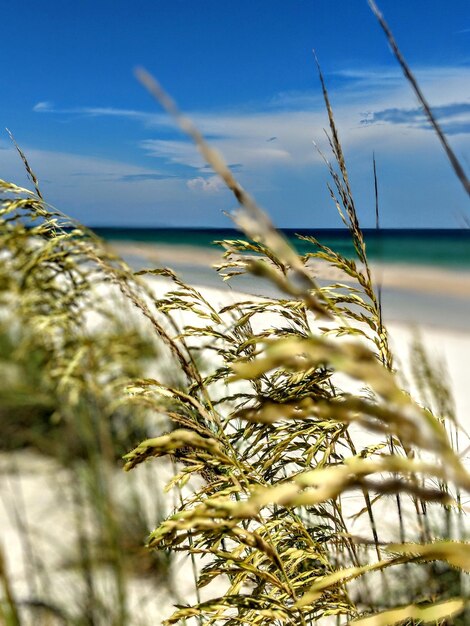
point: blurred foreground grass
(69, 343)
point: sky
(243, 70)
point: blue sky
(244, 71)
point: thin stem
(458, 169)
(191, 553)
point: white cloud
(43, 107)
(211, 185)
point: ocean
(446, 248)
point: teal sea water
(442, 248)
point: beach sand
(50, 516)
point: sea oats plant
(274, 429)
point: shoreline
(411, 295)
(422, 278)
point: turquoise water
(441, 248)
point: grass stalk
(9, 613)
(455, 163)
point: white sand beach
(36, 484)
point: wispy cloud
(294, 118)
(138, 178)
(270, 145)
(43, 107)
(242, 148)
(454, 118)
(118, 177)
(149, 119)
